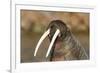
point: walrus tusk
(40, 41)
(52, 42)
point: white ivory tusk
(52, 42)
(40, 41)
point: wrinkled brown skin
(66, 47)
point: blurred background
(34, 24)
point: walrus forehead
(58, 24)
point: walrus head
(57, 32)
(63, 28)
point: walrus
(64, 46)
